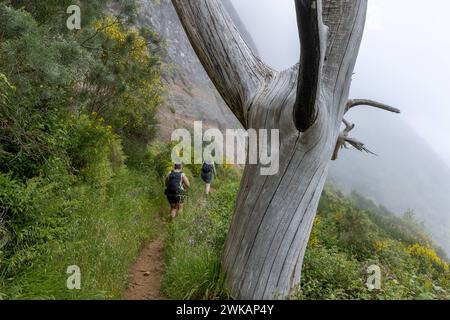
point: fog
(403, 58)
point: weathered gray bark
(274, 214)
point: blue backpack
(207, 168)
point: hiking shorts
(175, 199)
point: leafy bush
(123, 84)
(65, 194)
(90, 147)
(330, 275)
(351, 234)
(428, 258)
(43, 70)
(34, 214)
(158, 157)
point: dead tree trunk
(274, 214)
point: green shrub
(158, 158)
(349, 236)
(329, 274)
(35, 214)
(65, 194)
(91, 147)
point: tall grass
(195, 242)
(344, 242)
(103, 237)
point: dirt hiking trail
(145, 275)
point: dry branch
(364, 102)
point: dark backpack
(174, 184)
(206, 168)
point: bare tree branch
(339, 145)
(235, 71)
(343, 139)
(371, 103)
(342, 143)
(313, 38)
(358, 145)
(348, 126)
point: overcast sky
(403, 60)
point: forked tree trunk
(274, 214)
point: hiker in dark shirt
(176, 184)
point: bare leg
(173, 210)
(208, 188)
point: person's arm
(186, 181)
(214, 170)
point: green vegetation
(196, 239)
(349, 235)
(77, 113)
(101, 231)
(81, 177)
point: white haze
(403, 58)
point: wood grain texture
(274, 214)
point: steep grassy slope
(406, 174)
(349, 235)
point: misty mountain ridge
(406, 174)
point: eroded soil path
(145, 275)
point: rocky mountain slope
(191, 95)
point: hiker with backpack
(208, 170)
(176, 184)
